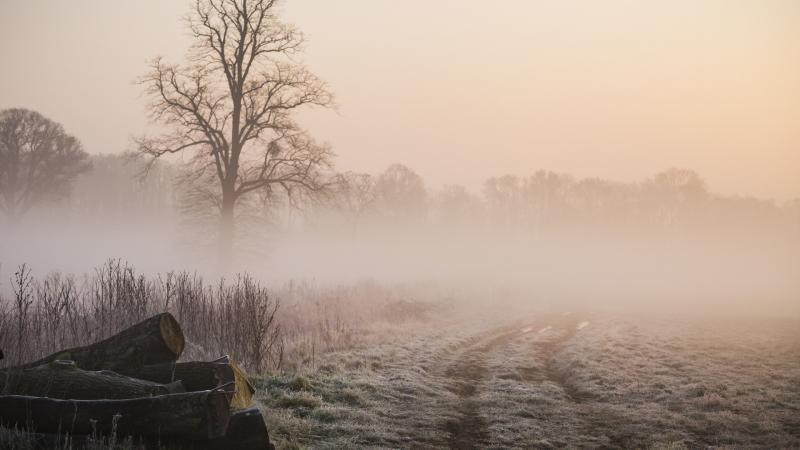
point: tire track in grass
(467, 371)
(549, 350)
(594, 417)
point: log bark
(158, 339)
(201, 376)
(246, 431)
(194, 415)
(30, 440)
(63, 380)
(195, 375)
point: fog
(666, 243)
(372, 224)
(434, 151)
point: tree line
(230, 110)
(110, 187)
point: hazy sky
(463, 89)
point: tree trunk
(227, 228)
(63, 380)
(158, 339)
(201, 376)
(193, 415)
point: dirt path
(466, 372)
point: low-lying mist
(666, 244)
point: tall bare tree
(38, 161)
(230, 106)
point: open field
(370, 366)
(549, 380)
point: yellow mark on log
(243, 396)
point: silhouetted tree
(456, 206)
(604, 203)
(676, 195)
(113, 189)
(231, 107)
(38, 161)
(401, 193)
(547, 197)
(354, 196)
(503, 198)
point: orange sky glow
(460, 90)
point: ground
(549, 380)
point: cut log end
(171, 334)
(243, 397)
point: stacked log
(131, 384)
(199, 376)
(155, 340)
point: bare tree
(677, 195)
(401, 194)
(38, 160)
(456, 206)
(503, 198)
(355, 196)
(231, 108)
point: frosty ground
(548, 379)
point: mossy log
(64, 380)
(193, 415)
(201, 376)
(158, 339)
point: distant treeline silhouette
(675, 200)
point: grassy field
(550, 380)
(372, 367)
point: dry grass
(263, 329)
(236, 317)
(366, 366)
(287, 329)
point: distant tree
(685, 185)
(231, 107)
(113, 189)
(604, 202)
(401, 193)
(456, 206)
(503, 199)
(354, 196)
(676, 195)
(39, 161)
(547, 197)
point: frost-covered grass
(616, 382)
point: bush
(236, 318)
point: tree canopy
(39, 161)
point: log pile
(132, 385)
